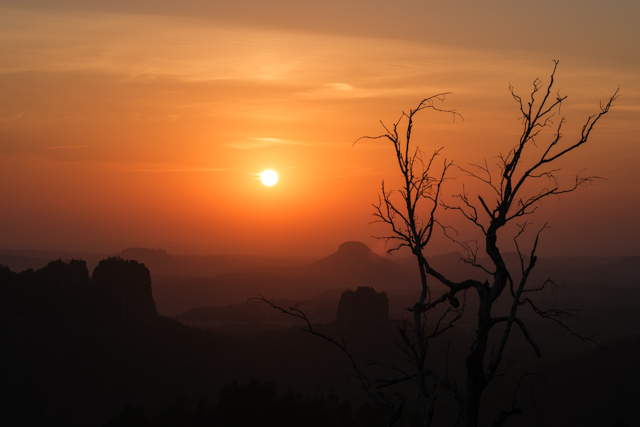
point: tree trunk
(476, 381)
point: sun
(269, 178)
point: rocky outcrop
(59, 272)
(127, 285)
(362, 310)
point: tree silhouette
(517, 190)
(522, 178)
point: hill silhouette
(74, 348)
(354, 264)
(351, 266)
(72, 356)
(78, 349)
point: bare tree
(410, 213)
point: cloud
(335, 90)
(339, 86)
(67, 147)
(253, 143)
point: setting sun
(146, 275)
(269, 178)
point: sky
(147, 123)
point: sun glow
(269, 178)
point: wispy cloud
(334, 90)
(252, 143)
(340, 86)
(169, 169)
(67, 147)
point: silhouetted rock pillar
(127, 284)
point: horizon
(396, 255)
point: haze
(147, 124)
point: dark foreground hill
(78, 350)
(75, 350)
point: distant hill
(352, 265)
(183, 282)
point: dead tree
(512, 202)
(411, 215)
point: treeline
(256, 403)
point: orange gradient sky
(146, 123)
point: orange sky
(146, 123)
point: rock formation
(60, 272)
(364, 309)
(127, 284)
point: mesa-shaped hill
(354, 264)
(351, 266)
